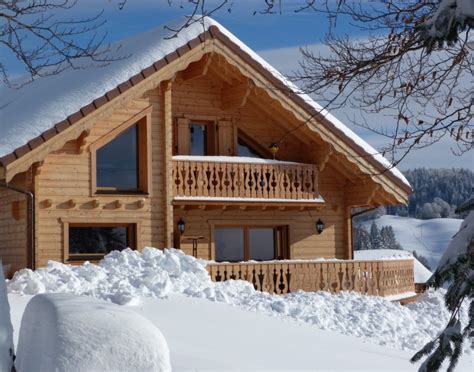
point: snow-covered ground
(127, 277)
(428, 238)
(204, 335)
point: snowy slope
(422, 274)
(428, 238)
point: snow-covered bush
(62, 332)
(6, 328)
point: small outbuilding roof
(45, 107)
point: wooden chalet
(193, 142)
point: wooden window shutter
(227, 138)
(183, 136)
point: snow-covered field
(129, 276)
(428, 238)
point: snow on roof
(36, 107)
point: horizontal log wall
(377, 278)
(13, 227)
(66, 175)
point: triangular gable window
(121, 159)
(117, 162)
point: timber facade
(179, 155)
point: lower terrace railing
(378, 278)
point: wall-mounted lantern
(319, 226)
(274, 149)
(181, 226)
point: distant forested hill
(437, 192)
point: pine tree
(361, 238)
(374, 236)
(456, 268)
(387, 239)
(422, 259)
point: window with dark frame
(243, 243)
(93, 241)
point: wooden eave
(250, 205)
(149, 78)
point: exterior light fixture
(274, 149)
(181, 226)
(319, 226)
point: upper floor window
(118, 162)
(198, 138)
(245, 150)
(121, 159)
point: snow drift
(6, 328)
(124, 277)
(61, 332)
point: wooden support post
(167, 120)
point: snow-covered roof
(30, 111)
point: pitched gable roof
(55, 102)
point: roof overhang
(211, 40)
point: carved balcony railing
(378, 278)
(214, 178)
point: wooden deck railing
(378, 278)
(200, 178)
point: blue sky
(277, 37)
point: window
(93, 241)
(259, 243)
(121, 160)
(245, 150)
(198, 138)
(117, 162)
(194, 137)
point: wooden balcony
(224, 180)
(378, 278)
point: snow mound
(120, 277)
(124, 277)
(61, 332)
(422, 274)
(6, 328)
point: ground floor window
(243, 243)
(88, 241)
